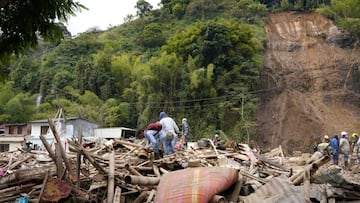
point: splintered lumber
(117, 196)
(162, 170)
(307, 185)
(58, 161)
(79, 148)
(127, 144)
(111, 181)
(48, 148)
(298, 178)
(62, 150)
(19, 162)
(213, 146)
(78, 160)
(261, 180)
(141, 197)
(132, 170)
(156, 171)
(141, 180)
(25, 175)
(151, 196)
(43, 186)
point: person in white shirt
(171, 130)
(345, 148)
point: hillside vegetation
(191, 58)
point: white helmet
(343, 133)
(184, 120)
(326, 137)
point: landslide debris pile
(311, 74)
(121, 171)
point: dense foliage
(191, 58)
(22, 22)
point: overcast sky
(103, 13)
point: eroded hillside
(312, 76)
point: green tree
(22, 22)
(152, 36)
(143, 8)
(20, 107)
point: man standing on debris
(185, 131)
(171, 130)
(154, 138)
(345, 148)
(334, 143)
(355, 145)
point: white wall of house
(14, 142)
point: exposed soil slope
(312, 80)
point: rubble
(119, 171)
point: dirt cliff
(312, 77)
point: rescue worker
(185, 131)
(171, 130)
(345, 148)
(355, 144)
(334, 144)
(324, 146)
(154, 138)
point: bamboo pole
(156, 171)
(141, 180)
(132, 170)
(111, 182)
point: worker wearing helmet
(324, 146)
(185, 131)
(345, 148)
(355, 141)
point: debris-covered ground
(121, 171)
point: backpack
(154, 126)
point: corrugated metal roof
(279, 190)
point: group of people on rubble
(164, 134)
(344, 146)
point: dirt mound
(312, 78)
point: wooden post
(307, 186)
(111, 182)
(236, 191)
(117, 196)
(63, 153)
(43, 186)
(48, 148)
(78, 158)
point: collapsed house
(121, 171)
